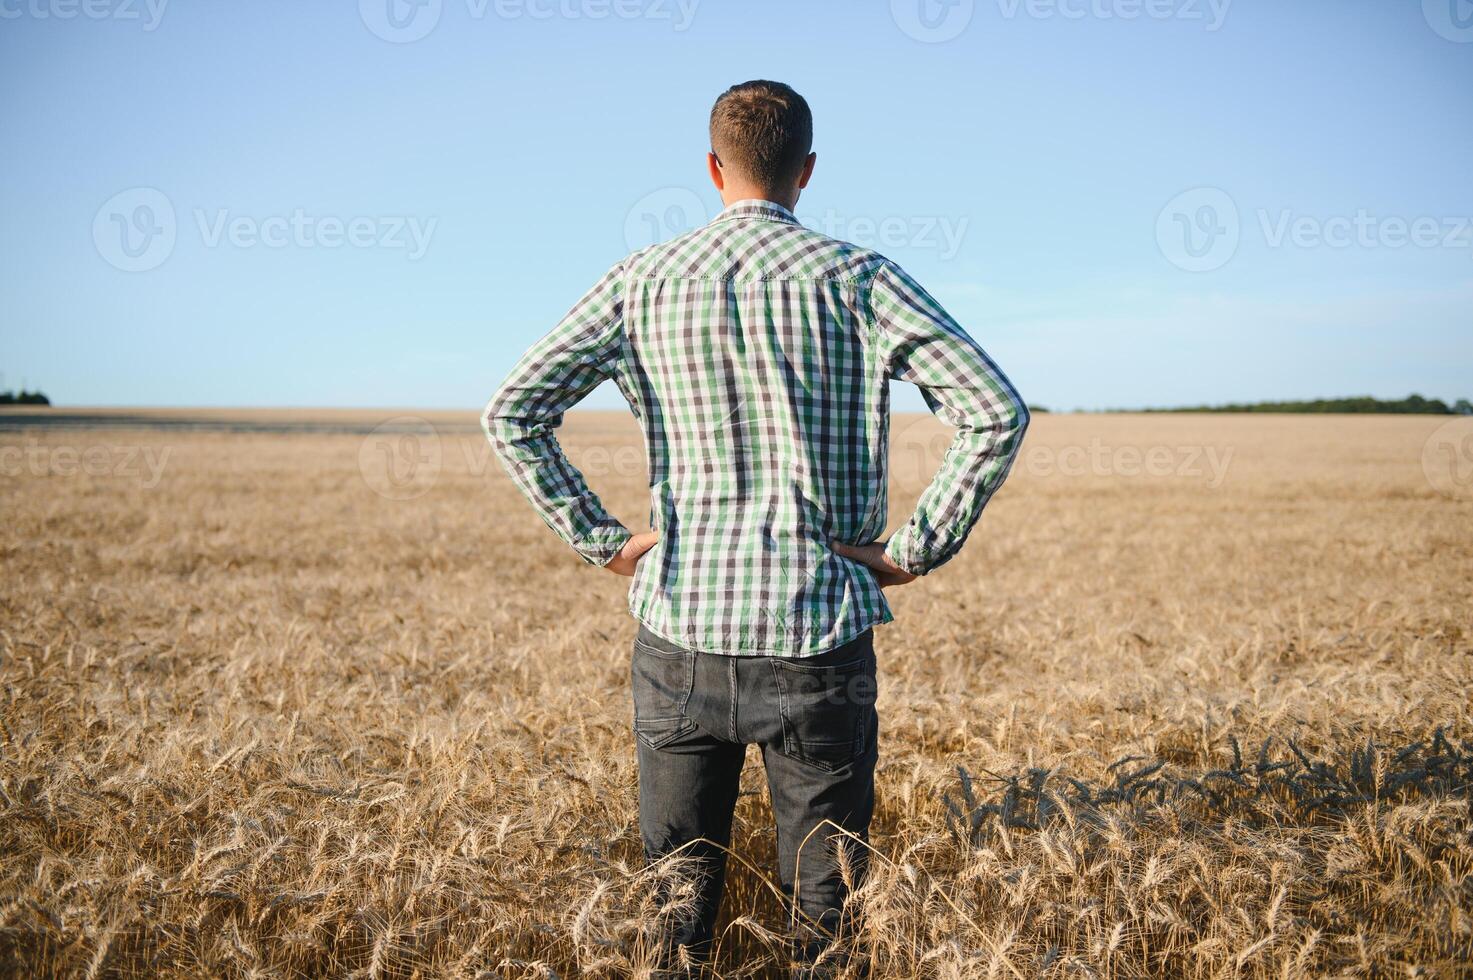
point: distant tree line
(23, 397)
(1363, 405)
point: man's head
(761, 138)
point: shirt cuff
(603, 545)
(899, 551)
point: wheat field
(287, 697)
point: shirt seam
(857, 280)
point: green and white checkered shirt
(757, 355)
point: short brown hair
(763, 130)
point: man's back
(762, 403)
(757, 355)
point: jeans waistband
(859, 646)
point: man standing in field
(757, 355)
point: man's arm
(521, 420)
(922, 344)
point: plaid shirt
(756, 355)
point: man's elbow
(501, 422)
(1021, 418)
(1013, 420)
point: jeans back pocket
(827, 710)
(661, 678)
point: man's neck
(747, 196)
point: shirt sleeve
(523, 416)
(923, 345)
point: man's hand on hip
(873, 557)
(628, 557)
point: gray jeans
(814, 718)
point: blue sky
(1128, 202)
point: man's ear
(807, 170)
(714, 166)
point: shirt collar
(755, 208)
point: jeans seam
(782, 707)
(690, 682)
(732, 682)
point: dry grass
(259, 721)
